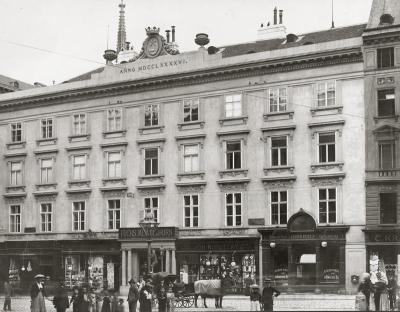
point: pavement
(285, 302)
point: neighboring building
(8, 84)
(223, 145)
(382, 98)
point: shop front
(204, 259)
(303, 256)
(383, 250)
(94, 263)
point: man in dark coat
(268, 295)
(60, 300)
(366, 288)
(133, 296)
(392, 290)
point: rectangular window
(114, 119)
(191, 110)
(79, 124)
(191, 158)
(277, 100)
(191, 210)
(46, 170)
(15, 219)
(279, 204)
(151, 161)
(233, 204)
(114, 214)
(388, 208)
(386, 103)
(16, 132)
(385, 57)
(47, 128)
(387, 155)
(151, 205)
(279, 151)
(326, 94)
(327, 205)
(234, 155)
(114, 165)
(326, 147)
(46, 217)
(233, 105)
(151, 115)
(78, 216)
(16, 173)
(79, 167)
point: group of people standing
(263, 301)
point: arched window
(386, 19)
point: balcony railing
(384, 173)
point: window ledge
(233, 173)
(278, 115)
(233, 120)
(48, 141)
(327, 166)
(191, 125)
(79, 183)
(114, 134)
(114, 188)
(46, 185)
(191, 175)
(78, 190)
(45, 193)
(119, 180)
(15, 188)
(326, 110)
(392, 117)
(15, 154)
(78, 137)
(14, 145)
(155, 177)
(151, 129)
(279, 169)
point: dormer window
(385, 57)
(386, 19)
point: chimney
(275, 17)
(173, 34)
(167, 34)
(275, 31)
(280, 16)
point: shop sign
(138, 233)
(210, 246)
(383, 237)
(308, 236)
(257, 221)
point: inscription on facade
(153, 66)
(383, 237)
(138, 233)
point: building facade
(250, 157)
(382, 75)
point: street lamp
(148, 224)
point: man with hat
(38, 294)
(255, 297)
(133, 296)
(268, 295)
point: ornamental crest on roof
(156, 45)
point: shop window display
(95, 269)
(330, 263)
(280, 258)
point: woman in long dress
(38, 294)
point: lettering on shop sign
(384, 237)
(153, 66)
(305, 236)
(137, 233)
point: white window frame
(44, 171)
(279, 151)
(192, 158)
(14, 132)
(191, 207)
(112, 119)
(226, 154)
(152, 209)
(279, 203)
(158, 161)
(47, 128)
(234, 204)
(334, 133)
(234, 113)
(85, 175)
(79, 124)
(281, 100)
(152, 106)
(48, 224)
(18, 217)
(16, 176)
(191, 103)
(79, 220)
(325, 92)
(112, 166)
(392, 143)
(114, 212)
(327, 201)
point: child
(121, 307)
(255, 298)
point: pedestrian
(7, 295)
(133, 296)
(379, 281)
(38, 294)
(74, 299)
(268, 295)
(141, 282)
(92, 301)
(114, 302)
(162, 298)
(60, 299)
(255, 297)
(121, 307)
(366, 288)
(392, 291)
(106, 306)
(145, 296)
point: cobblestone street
(295, 302)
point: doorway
(305, 262)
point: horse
(208, 289)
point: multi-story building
(8, 84)
(249, 156)
(382, 75)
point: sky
(50, 41)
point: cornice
(322, 59)
(380, 37)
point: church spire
(121, 28)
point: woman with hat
(268, 295)
(38, 294)
(255, 297)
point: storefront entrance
(303, 256)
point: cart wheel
(177, 302)
(188, 301)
